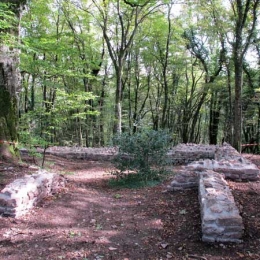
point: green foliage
(135, 181)
(141, 157)
(41, 126)
(172, 65)
(8, 20)
(7, 17)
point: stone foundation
(220, 217)
(81, 153)
(183, 154)
(184, 179)
(21, 195)
(235, 170)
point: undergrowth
(141, 159)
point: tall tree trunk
(245, 23)
(9, 86)
(118, 102)
(215, 106)
(238, 63)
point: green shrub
(142, 154)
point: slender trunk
(215, 106)
(118, 102)
(238, 105)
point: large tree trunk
(9, 86)
(246, 13)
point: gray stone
(21, 195)
(218, 210)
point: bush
(142, 154)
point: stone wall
(220, 219)
(83, 153)
(235, 170)
(183, 154)
(21, 195)
(184, 179)
(219, 215)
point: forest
(94, 94)
(86, 70)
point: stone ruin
(205, 167)
(21, 195)
(183, 154)
(221, 221)
(79, 153)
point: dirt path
(93, 221)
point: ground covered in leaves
(91, 220)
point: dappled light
(94, 221)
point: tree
(127, 17)
(146, 66)
(245, 15)
(57, 56)
(10, 12)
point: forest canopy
(91, 69)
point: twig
(197, 257)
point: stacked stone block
(227, 152)
(81, 153)
(184, 179)
(232, 169)
(220, 217)
(183, 154)
(21, 195)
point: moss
(9, 152)
(8, 116)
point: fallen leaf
(240, 255)
(164, 245)
(112, 248)
(183, 212)
(93, 221)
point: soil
(91, 220)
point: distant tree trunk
(215, 106)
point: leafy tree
(245, 15)
(143, 65)
(127, 17)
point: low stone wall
(227, 152)
(183, 154)
(82, 153)
(236, 170)
(21, 195)
(220, 217)
(184, 179)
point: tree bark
(243, 10)
(9, 82)
(9, 88)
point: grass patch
(137, 180)
(68, 173)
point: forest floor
(92, 220)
